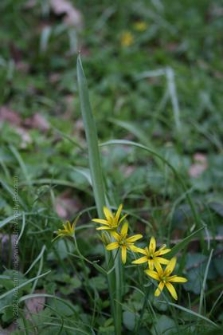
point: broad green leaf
(164, 325)
(129, 320)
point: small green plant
(115, 237)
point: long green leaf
(92, 139)
(197, 315)
(98, 186)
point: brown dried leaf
(127, 170)
(34, 305)
(67, 204)
(30, 4)
(8, 115)
(25, 137)
(199, 166)
(37, 121)
(22, 67)
(54, 78)
(11, 328)
(72, 16)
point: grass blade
(92, 140)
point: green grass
(156, 105)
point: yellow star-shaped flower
(68, 230)
(151, 255)
(140, 26)
(126, 39)
(123, 242)
(111, 221)
(165, 279)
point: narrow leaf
(92, 139)
(182, 244)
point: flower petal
(132, 247)
(162, 251)
(176, 279)
(150, 263)
(142, 251)
(108, 214)
(112, 246)
(172, 290)
(133, 238)
(102, 221)
(118, 213)
(103, 228)
(115, 235)
(68, 226)
(152, 245)
(161, 260)
(159, 289)
(152, 274)
(170, 266)
(68, 230)
(140, 260)
(159, 269)
(124, 230)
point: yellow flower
(111, 222)
(140, 26)
(165, 279)
(151, 255)
(123, 242)
(126, 39)
(67, 231)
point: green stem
(85, 273)
(142, 311)
(119, 290)
(98, 186)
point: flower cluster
(119, 234)
(117, 227)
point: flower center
(112, 223)
(150, 254)
(164, 279)
(122, 242)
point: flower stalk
(98, 187)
